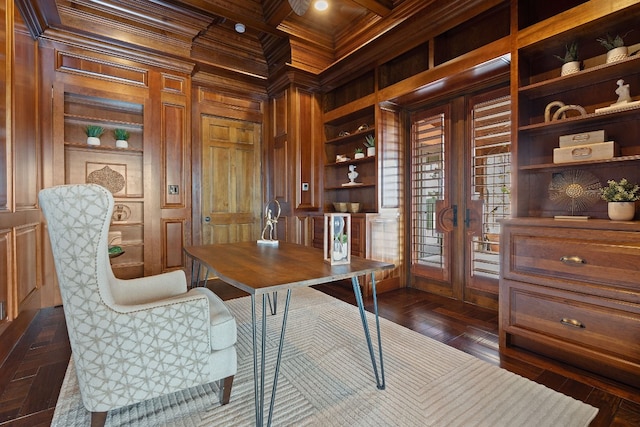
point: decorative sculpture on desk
(269, 232)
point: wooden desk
(264, 270)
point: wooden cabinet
(151, 178)
(569, 290)
(118, 169)
(345, 135)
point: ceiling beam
(374, 6)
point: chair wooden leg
(98, 419)
(225, 394)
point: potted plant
(370, 144)
(570, 62)
(621, 197)
(616, 50)
(359, 153)
(93, 134)
(121, 136)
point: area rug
(326, 379)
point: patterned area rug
(326, 379)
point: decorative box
(583, 138)
(337, 238)
(580, 153)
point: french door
(460, 179)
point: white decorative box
(581, 153)
(583, 138)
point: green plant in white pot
(93, 134)
(621, 197)
(370, 145)
(570, 61)
(122, 138)
(616, 50)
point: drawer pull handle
(572, 322)
(572, 260)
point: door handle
(467, 218)
(454, 209)
(207, 219)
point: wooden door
(231, 180)
(460, 189)
(488, 195)
(433, 212)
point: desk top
(259, 269)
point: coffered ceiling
(203, 31)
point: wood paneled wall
(20, 247)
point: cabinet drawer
(577, 319)
(601, 257)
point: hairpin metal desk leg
(273, 307)
(259, 374)
(358, 294)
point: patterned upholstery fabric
(132, 340)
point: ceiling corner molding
(34, 16)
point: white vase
(371, 151)
(570, 68)
(122, 143)
(358, 155)
(93, 140)
(617, 53)
(621, 211)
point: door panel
(489, 189)
(460, 180)
(231, 187)
(432, 214)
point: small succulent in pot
(609, 42)
(121, 134)
(369, 141)
(94, 131)
(570, 54)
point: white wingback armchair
(131, 340)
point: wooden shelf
(350, 187)
(365, 159)
(78, 146)
(581, 79)
(78, 119)
(553, 166)
(352, 136)
(571, 122)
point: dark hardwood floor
(35, 354)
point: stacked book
(582, 147)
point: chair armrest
(148, 289)
(151, 348)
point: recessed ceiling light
(240, 28)
(321, 5)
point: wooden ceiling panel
(203, 30)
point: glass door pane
(490, 187)
(431, 217)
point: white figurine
(623, 92)
(352, 174)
